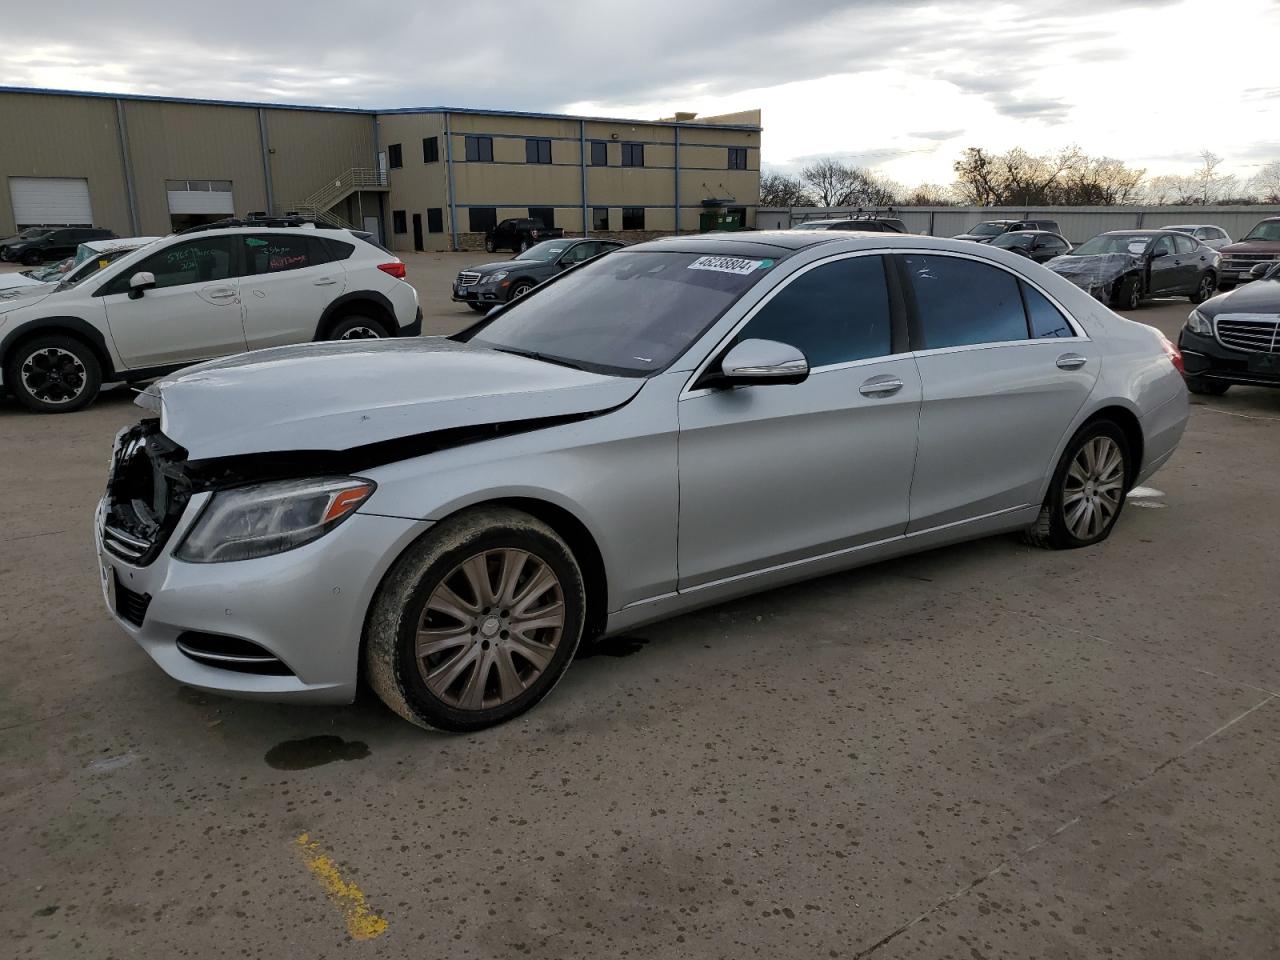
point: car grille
(1244, 261)
(130, 605)
(468, 278)
(1256, 336)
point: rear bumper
(1206, 358)
(413, 329)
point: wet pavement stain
(314, 752)
(622, 646)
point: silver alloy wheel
(53, 375)
(520, 290)
(361, 333)
(1093, 487)
(1206, 287)
(1135, 294)
(490, 628)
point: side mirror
(1157, 254)
(1259, 270)
(763, 362)
(140, 282)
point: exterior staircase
(319, 205)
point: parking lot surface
(984, 751)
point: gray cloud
(936, 134)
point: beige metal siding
(55, 136)
(416, 187)
(312, 148)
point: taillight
(395, 268)
(1172, 352)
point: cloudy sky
(895, 84)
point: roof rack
(255, 220)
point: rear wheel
(1205, 289)
(523, 246)
(1207, 388)
(1087, 491)
(357, 328)
(476, 622)
(53, 374)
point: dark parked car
(490, 284)
(1125, 267)
(1260, 245)
(38, 244)
(1235, 337)
(988, 230)
(518, 233)
(866, 224)
(1038, 245)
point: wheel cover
(53, 375)
(520, 291)
(490, 628)
(361, 333)
(1093, 487)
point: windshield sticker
(739, 265)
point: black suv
(519, 233)
(1038, 245)
(869, 224)
(988, 230)
(36, 244)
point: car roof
(1014, 233)
(778, 243)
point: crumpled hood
(343, 395)
(1093, 272)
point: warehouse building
(430, 178)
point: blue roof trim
(484, 112)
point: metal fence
(1078, 224)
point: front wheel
(1128, 294)
(519, 290)
(1087, 491)
(1205, 289)
(53, 374)
(524, 245)
(357, 328)
(489, 245)
(476, 622)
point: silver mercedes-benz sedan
(676, 424)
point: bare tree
(832, 183)
(1265, 184)
(1212, 186)
(780, 190)
(928, 195)
(1066, 178)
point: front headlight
(495, 277)
(269, 518)
(1197, 322)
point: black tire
(32, 259)
(522, 246)
(1127, 294)
(1207, 388)
(519, 289)
(1051, 529)
(1206, 287)
(489, 245)
(480, 307)
(356, 327)
(71, 381)
(392, 664)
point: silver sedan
(680, 423)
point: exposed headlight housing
(495, 277)
(269, 518)
(1197, 322)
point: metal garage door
(54, 200)
(200, 196)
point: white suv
(195, 296)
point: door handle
(881, 386)
(220, 292)
(1071, 361)
(325, 282)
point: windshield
(89, 267)
(1266, 230)
(630, 313)
(1019, 240)
(544, 252)
(1134, 243)
(986, 230)
(32, 232)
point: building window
(430, 149)
(599, 218)
(546, 214)
(738, 214)
(537, 150)
(599, 153)
(398, 222)
(394, 157)
(479, 149)
(435, 220)
(633, 218)
(737, 158)
(482, 218)
(633, 154)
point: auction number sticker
(739, 265)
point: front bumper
(305, 606)
(1205, 357)
(486, 294)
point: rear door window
(963, 302)
(276, 253)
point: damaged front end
(1098, 274)
(147, 490)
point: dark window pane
(1163, 245)
(737, 158)
(633, 218)
(633, 154)
(394, 156)
(338, 250)
(1046, 320)
(276, 253)
(479, 149)
(537, 151)
(962, 301)
(435, 220)
(833, 313)
(599, 153)
(482, 218)
(397, 222)
(430, 149)
(545, 214)
(599, 218)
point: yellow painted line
(362, 922)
